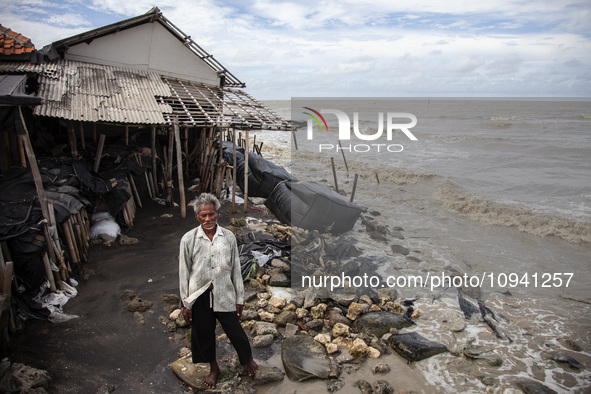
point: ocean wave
(526, 219)
(364, 168)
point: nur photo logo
(344, 129)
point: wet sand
(105, 349)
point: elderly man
(211, 288)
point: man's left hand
(239, 309)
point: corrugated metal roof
(97, 93)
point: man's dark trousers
(203, 341)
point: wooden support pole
(234, 171)
(99, 152)
(72, 139)
(126, 135)
(246, 174)
(343, 153)
(82, 139)
(94, 132)
(179, 167)
(354, 187)
(334, 174)
(154, 169)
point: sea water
(498, 189)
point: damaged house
(93, 123)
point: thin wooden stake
(126, 135)
(377, 178)
(343, 152)
(334, 173)
(354, 187)
(295, 140)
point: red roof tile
(12, 43)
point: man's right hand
(187, 314)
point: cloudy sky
(382, 48)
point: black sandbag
(279, 202)
(313, 207)
(264, 175)
(318, 207)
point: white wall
(146, 47)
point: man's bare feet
(212, 378)
(251, 367)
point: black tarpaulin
(313, 206)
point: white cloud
(378, 47)
(73, 20)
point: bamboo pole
(49, 273)
(73, 238)
(246, 174)
(69, 243)
(134, 189)
(179, 167)
(148, 184)
(334, 173)
(99, 152)
(354, 187)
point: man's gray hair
(206, 199)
